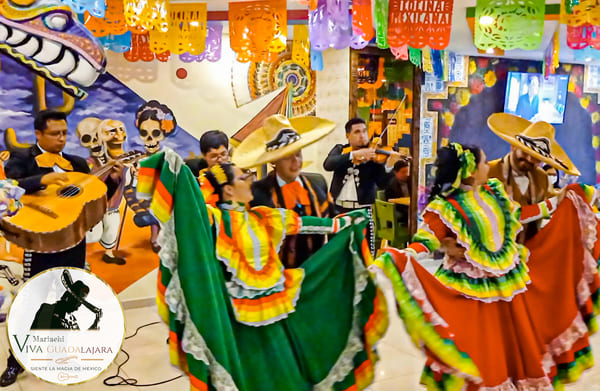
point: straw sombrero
(535, 138)
(77, 289)
(278, 138)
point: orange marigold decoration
(113, 22)
(140, 49)
(258, 29)
(186, 31)
(420, 23)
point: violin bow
(393, 115)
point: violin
(382, 153)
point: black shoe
(9, 376)
(116, 259)
(155, 247)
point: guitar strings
(76, 187)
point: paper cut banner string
(94, 7)
(401, 53)
(415, 56)
(362, 19)
(140, 50)
(419, 23)
(329, 25)
(301, 45)
(212, 51)
(580, 12)
(580, 37)
(509, 26)
(117, 43)
(147, 14)
(588, 54)
(186, 30)
(258, 29)
(316, 60)
(381, 23)
(113, 22)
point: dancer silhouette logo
(65, 326)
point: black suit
(48, 318)
(196, 165)
(296, 248)
(368, 177)
(23, 167)
(371, 175)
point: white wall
(204, 100)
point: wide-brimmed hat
(77, 289)
(535, 138)
(278, 138)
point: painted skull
(151, 134)
(112, 134)
(154, 122)
(87, 131)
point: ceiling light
(486, 20)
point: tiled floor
(398, 370)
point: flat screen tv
(535, 98)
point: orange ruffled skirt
(536, 341)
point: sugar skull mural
(112, 135)
(154, 121)
(87, 132)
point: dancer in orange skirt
(498, 315)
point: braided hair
(447, 166)
(219, 175)
(156, 111)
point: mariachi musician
(35, 168)
(356, 172)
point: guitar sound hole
(69, 191)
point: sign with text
(426, 142)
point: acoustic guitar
(58, 217)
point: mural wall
(108, 99)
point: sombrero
(535, 138)
(77, 289)
(278, 138)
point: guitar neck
(100, 171)
(127, 159)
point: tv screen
(531, 96)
